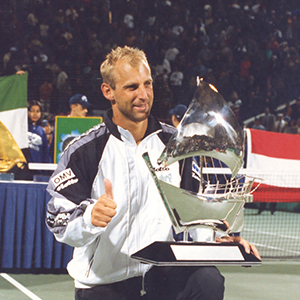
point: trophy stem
(201, 174)
(185, 235)
(214, 234)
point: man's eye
(132, 87)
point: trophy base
(195, 254)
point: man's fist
(105, 207)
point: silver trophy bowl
(208, 128)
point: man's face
(77, 110)
(47, 128)
(132, 97)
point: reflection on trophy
(209, 132)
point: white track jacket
(102, 255)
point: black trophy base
(195, 254)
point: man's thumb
(108, 188)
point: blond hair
(133, 56)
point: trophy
(10, 153)
(210, 132)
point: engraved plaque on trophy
(209, 131)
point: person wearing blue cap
(177, 114)
(79, 105)
(48, 130)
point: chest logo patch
(62, 177)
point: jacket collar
(153, 125)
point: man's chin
(141, 116)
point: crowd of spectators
(248, 49)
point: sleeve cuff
(87, 219)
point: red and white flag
(274, 157)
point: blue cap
(80, 99)
(45, 123)
(178, 111)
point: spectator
(32, 19)
(130, 38)
(295, 114)
(199, 69)
(171, 53)
(64, 90)
(177, 114)
(46, 90)
(280, 124)
(177, 30)
(79, 105)
(61, 79)
(10, 61)
(265, 32)
(129, 21)
(245, 66)
(44, 29)
(296, 128)
(95, 45)
(258, 125)
(176, 79)
(206, 55)
(72, 13)
(37, 138)
(162, 65)
(48, 129)
(268, 120)
(163, 98)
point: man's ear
(107, 91)
(174, 121)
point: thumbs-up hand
(105, 207)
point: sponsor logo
(62, 177)
(160, 169)
(61, 220)
(68, 183)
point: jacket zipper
(91, 261)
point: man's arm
(78, 225)
(71, 223)
(70, 208)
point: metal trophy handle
(210, 131)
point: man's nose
(142, 92)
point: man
(280, 123)
(257, 124)
(105, 203)
(268, 120)
(79, 105)
(48, 129)
(177, 114)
